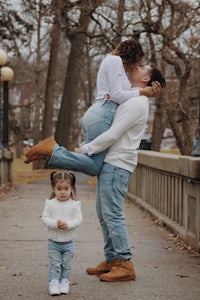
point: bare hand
(151, 91)
(61, 224)
(156, 88)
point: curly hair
(130, 52)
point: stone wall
(168, 186)
(6, 158)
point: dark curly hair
(130, 52)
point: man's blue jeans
(60, 259)
(96, 120)
(112, 189)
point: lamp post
(6, 75)
(3, 60)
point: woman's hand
(151, 91)
(156, 88)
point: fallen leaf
(73, 282)
(3, 268)
(168, 248)
(182, 276)
(17, 274)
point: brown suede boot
(122, 271)
(41, 150)
(101, 268)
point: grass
(24, 173)
(171, 151)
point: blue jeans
(60, 259)
(97, 119)
(112, 189)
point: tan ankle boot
(41, 150)
(101, 268)
(122, 271)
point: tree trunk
(38, 80)
(158, 127)
(64, 130)
(51, 75)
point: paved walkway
(164, 271)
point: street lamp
(6, 75)
(3, 60)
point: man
(123, 138)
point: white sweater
(68, 211)
(124, 135)
(112, 80)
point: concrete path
(164, 270)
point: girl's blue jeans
(97, 119)
(60, 259)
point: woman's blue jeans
(97, 119)
(60, 259)
(112, 189)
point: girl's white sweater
(68, 211)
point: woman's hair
(56, 177)
(156, 75)
(130, 52)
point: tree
(13, 34)
(89, 29)
(78, 39)
(168, 25)
(52, 74)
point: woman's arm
(119, 85)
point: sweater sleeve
(46, 219)
(77, 220)
(123, 121)
(116, 75)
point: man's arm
(128, 114)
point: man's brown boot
(122, 271)
(41, 150)
(101, 268)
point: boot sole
(97, 273)
(118, 279)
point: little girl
(62, 214)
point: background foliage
(55, 48)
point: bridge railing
(6, 158)
(168, 186)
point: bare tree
(52, 70)
(78, 38)
(168, 25)
(166, 30)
